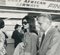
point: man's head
(44, 20)
(17, 27)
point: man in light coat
(51, 42)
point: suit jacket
(17, 37)
(51, 42)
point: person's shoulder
(54, 31)
(32, 33)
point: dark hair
(33, 29)
(1, 23)
(16, 26)
(31, 21)
(28, 19)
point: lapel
(46, 41)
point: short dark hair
(1, 23)
(16, 26)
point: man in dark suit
(17, 35)
(51, 41)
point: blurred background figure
(5, 39)
(17, 35)
(2, 39)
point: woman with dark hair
(30, 39)
(31, 21)
(2, 38)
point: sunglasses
(25, 23)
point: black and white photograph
(29, 27)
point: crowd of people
(27, 40)
(2, 39)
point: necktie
(42, 39)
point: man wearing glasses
(50, 44)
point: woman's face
(25, 24)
